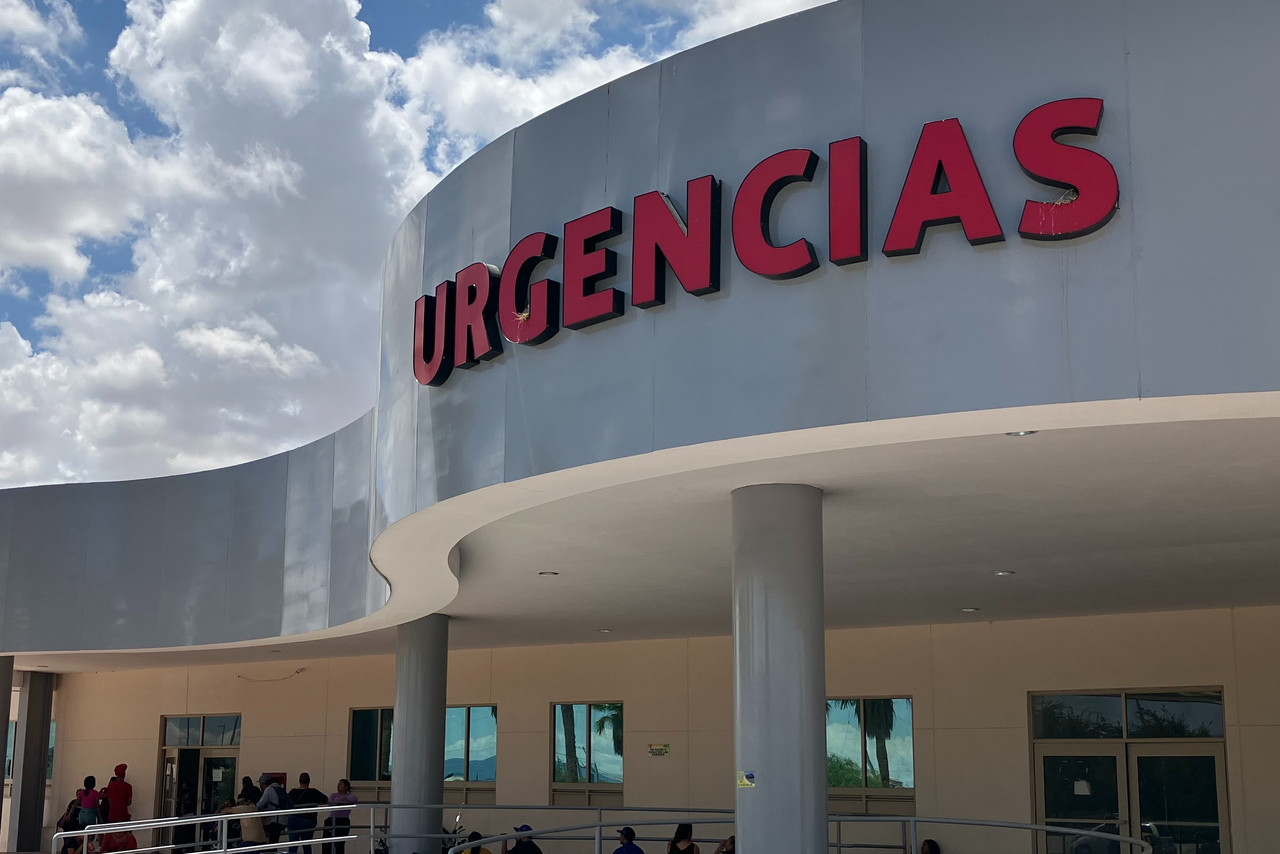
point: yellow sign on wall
(659, 750)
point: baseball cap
(524, 828)
(264, 777)
(627, 832)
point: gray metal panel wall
(349, 567)
(308, 526)
(1175, 295)
(272, 547)
(45, 605)
(396, 415)
(255, 565)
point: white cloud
(235, 347)
(38, 31)
(257, 222)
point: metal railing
(376, 830)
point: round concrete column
(417, 747)
(780, 739)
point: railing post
(915, 833)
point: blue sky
(196, 195)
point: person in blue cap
(627, 837)
(525, 844)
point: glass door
(1179, 793)
(1082, 787)
(218, 782)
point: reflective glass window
(1077, 716)
(455, 744)
(569, 727)
(844, 745)
(221, 730)
(482, 744)
(385, 735)
(362, 761)
(606, 743)
(1178, 798)
(886, 726)
(53, 736)
(1183, 714)
(1081, 787)
(182, 732)
(8, 756)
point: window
(1128, 714)
(470, 754)
(369, 752)
(870, 755)
(8, 754)
(1148, 762)
(587, 754)
(202, 731)
(470, 751)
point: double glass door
(1171, 795)
(195, 781)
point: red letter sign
(1086, 173)
(433, 322)
(539, 319)
(662, 238)
(751, 216)
(847, 201)
(475, 334)
(942, 155)
(585, 266)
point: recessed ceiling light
(1004, 572)
(275, 652)
(548, 572)
(1023, 433)
(604, 631)
(970, 610)
(43, 666)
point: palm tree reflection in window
(877, 719)
(588, 743)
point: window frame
(874, 800)
(378, 764)
(1123, 693)
(584, 793)
(467, 791)
(199, 743)
(460, 792)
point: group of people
(299, 826)
(681, 843)
(93, 806)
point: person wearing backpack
(274, 797)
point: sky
(196, 197)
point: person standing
(119, 796)
(475, 836)
(627, 836)
(302, 825)
(248, 791)
(338, 822)
(88, 798)
(274, 797)
(525, 844)
(251, 832)
(682, 841)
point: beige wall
(969, 683)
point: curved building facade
(879, 404)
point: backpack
(283, 801)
